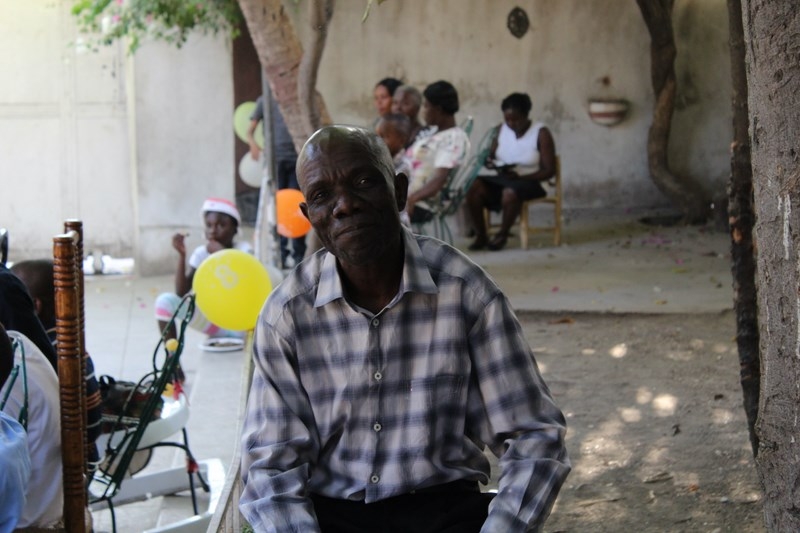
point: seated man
(37, 275)
(45, 494)
(384, 365)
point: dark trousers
(426, 511)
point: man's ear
(37, 306)
(401, 190)
(304, 209)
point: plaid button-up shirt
(358, 406)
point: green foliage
(369, 6)
(106, 21)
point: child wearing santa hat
(222, 219)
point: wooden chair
(525, 227)
(68, 280)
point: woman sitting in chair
(434, 156)
(523, 155)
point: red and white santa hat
(220, 205)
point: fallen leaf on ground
(589, 503)
(658, 478)
(563, 320)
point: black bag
(124, 401)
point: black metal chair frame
(120, 451)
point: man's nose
(346, 204)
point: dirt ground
(656, 430)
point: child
(222, 223)
(395, 130)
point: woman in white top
(524, 155)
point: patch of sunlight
(630, 414)
(665, 404)
(720, 348)
(588, 351)
(679, 356)
(643, 395)
(657, 455)
(722, 416)
(619, 351)
(697, 344)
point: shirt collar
(416, 276)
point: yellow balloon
(241, 123)
(231, 287)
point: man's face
(350, 201)
(404, 103)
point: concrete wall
(63, 133)
(184, 142)
(133, 145)
(130, 145)
(571, 48)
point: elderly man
(407, 100)
(384, 365)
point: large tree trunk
(281, 54)
(685, 193)
(772, 37)
(741, 214)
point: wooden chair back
(69, 290)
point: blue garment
(15, 471)
(351, 405)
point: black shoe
(479, 243)
(498, 242)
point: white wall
(63, 132)
(133, 145)
(184, 142)
(571, 46)
(130, 145)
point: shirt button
(377, 427)
(375, 322)
(378, 376)
(374, 478)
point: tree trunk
(684, 192)
(280, 53)
(740, 212)
(320, 12)
(772, 40)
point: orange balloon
(292, 222)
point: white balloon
(251, 170)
